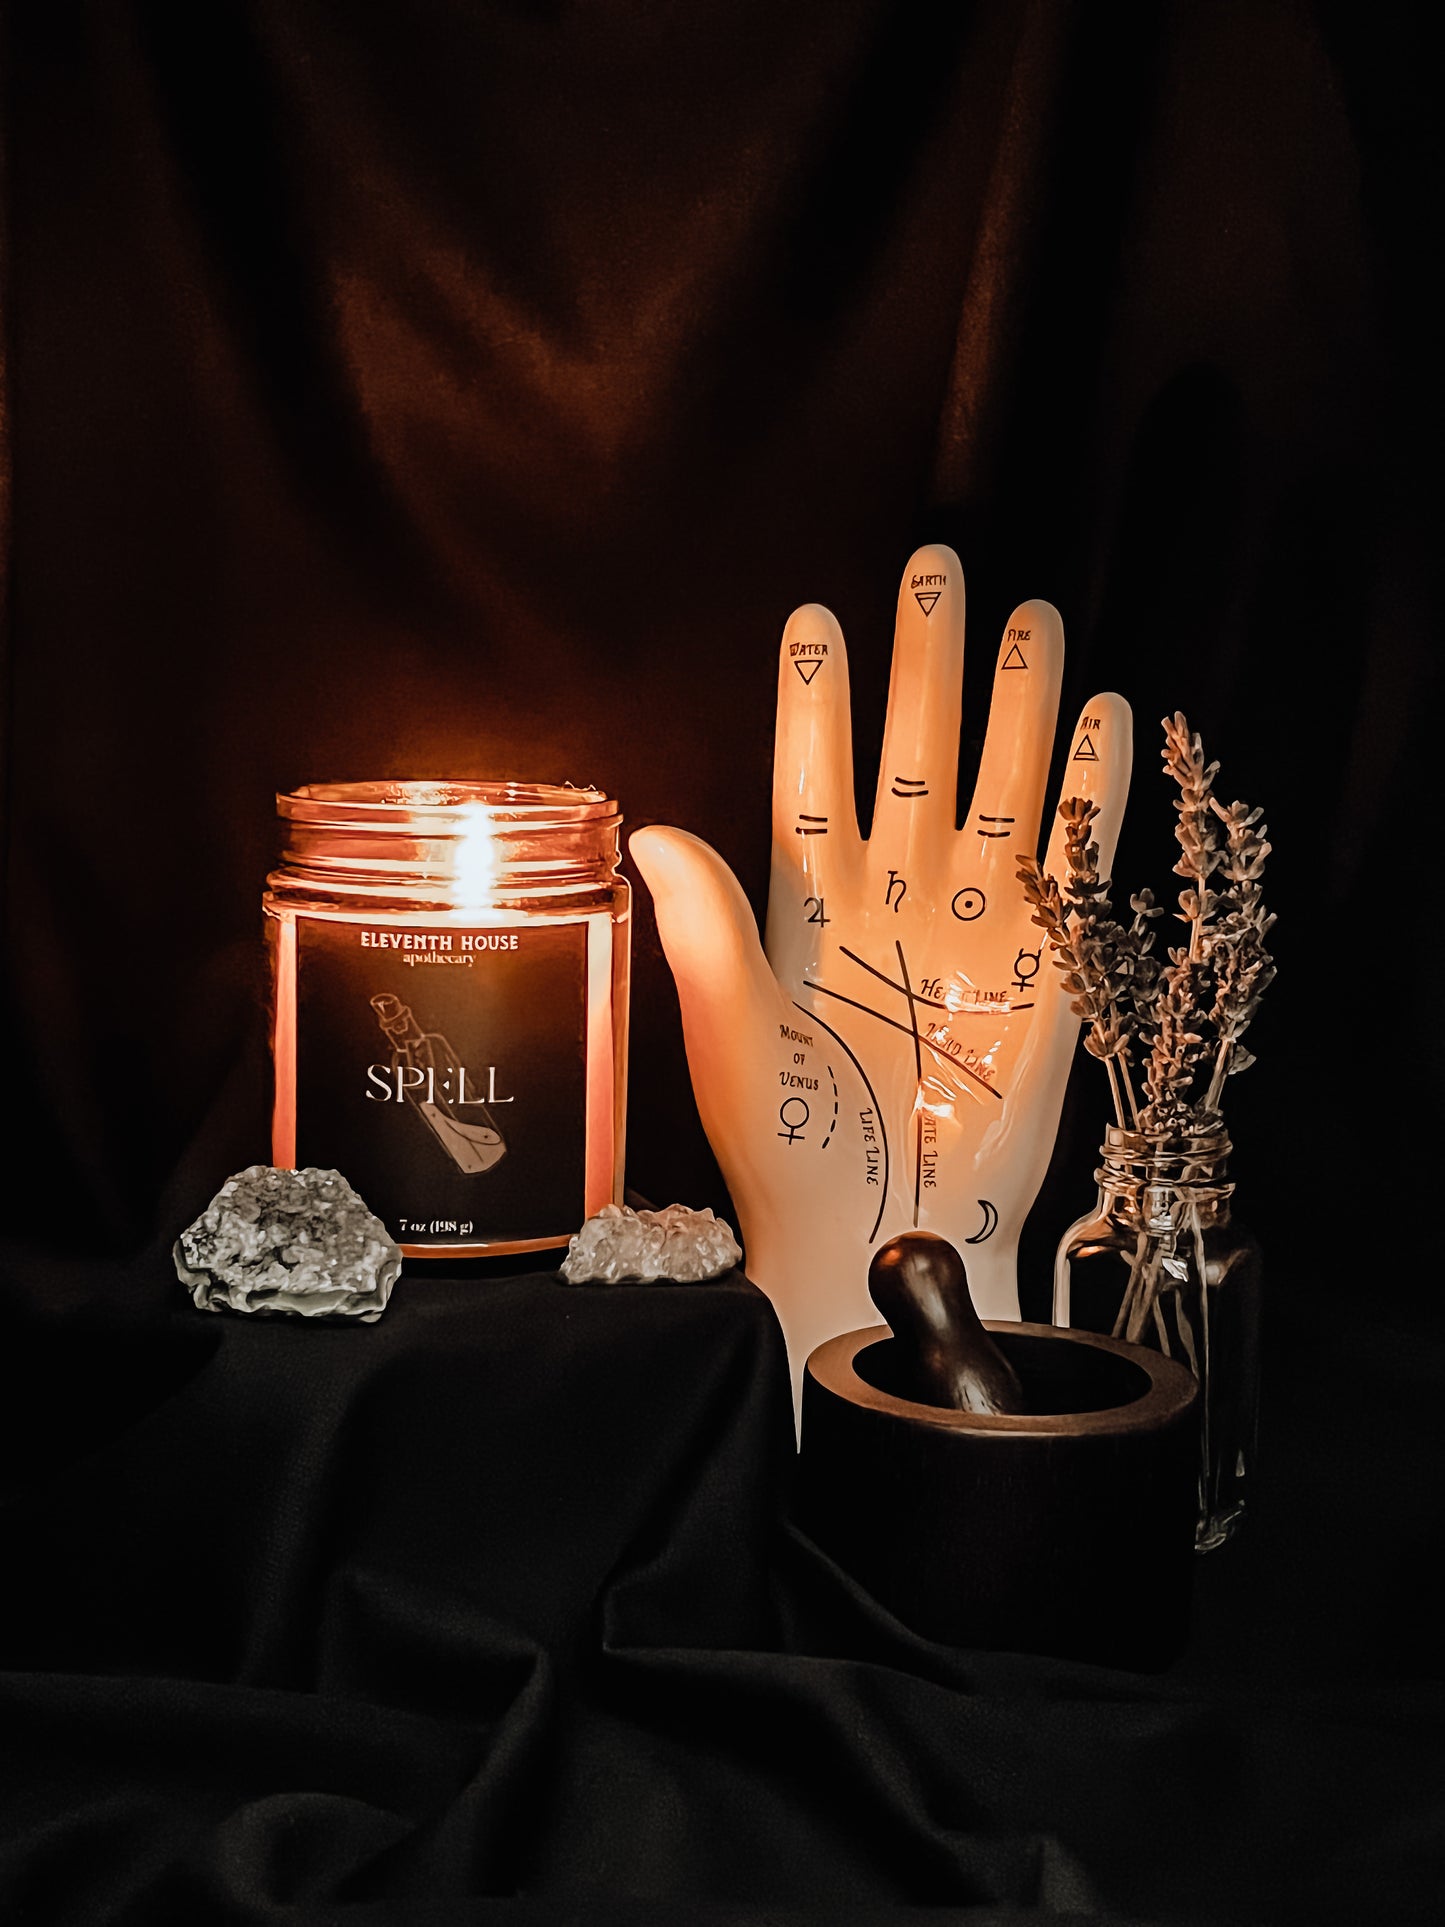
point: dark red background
(473, 389)
(475, 393)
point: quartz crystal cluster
(622, 1245)
(288, 1244)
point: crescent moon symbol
(988, 1227)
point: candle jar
(1162, 1261)
(450, 967)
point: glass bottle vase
(1162, 1261)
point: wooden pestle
(919, 1283)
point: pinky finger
(1100, 760)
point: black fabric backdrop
(473, 390)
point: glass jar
(450, 969)
(1161, 1261)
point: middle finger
(913, 814)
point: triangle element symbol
(1086, 753)
(925, 598)
(807, 670)
(1013, 660)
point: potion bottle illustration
(473, 1144)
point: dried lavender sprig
(1105, 945)
(1176, 1050)
(1195, 831)
(1051, 914)
(1243, 967)
(1171, 1018)
(1089, 947)
(1143, 985)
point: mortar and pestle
(1008, 1486)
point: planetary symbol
(909, 787)
(988, 1227)
(1026, 968)
(816, 914)
(968, 904)
(898, 883)
(995, 820)
(925, 598)
(794, 1125)
(811, 825)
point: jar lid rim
(398, 803)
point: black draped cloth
(496, 1609)
(473, 389)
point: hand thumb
(726, 989)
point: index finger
(813, 746)
(815, 826)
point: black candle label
(443, 1072)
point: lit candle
(450, 967)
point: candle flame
(475, 865)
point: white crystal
(297, 1244)
(622, 1245)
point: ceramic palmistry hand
(898, 1057)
